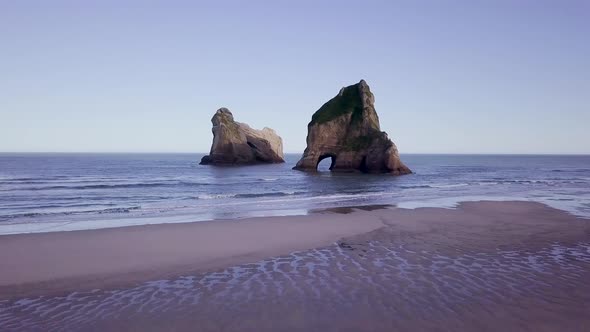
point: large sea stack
(235, 143)
(346, 128)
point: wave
(574, 170)
(215, 196)
(56, 205)
(272, 194)
(268, 194)
(322, 198)
(92, 186)
(68, 213)
(109, 186)
(435, 186)
(454, 185)
(420, 186)
(16, 200)
(487, 183)
(549, 182)
(52, 179)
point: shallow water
(378, 284)
(52, 192)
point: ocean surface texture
(51, 192)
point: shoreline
(59, 262)
(16, 228)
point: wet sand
(488, 266)
(83, 260)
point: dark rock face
(346, 128)
(235, 143)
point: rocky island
(235, 143)
(346, 129)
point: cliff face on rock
(346, 128)
(236, 143)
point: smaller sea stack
(235, 143)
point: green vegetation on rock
(363, 142)
(357, 143)
(349, 101)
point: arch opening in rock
(324, 161)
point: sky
(147, 76)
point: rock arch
(347, 128)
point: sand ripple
(369, 285)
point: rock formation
(346, 128)
(236, 143)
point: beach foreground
(484, 266)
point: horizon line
(405, 153)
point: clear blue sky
(449, 76)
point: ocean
(53, 192)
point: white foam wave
(454, 185)
(215, 196)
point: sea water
(53, 192)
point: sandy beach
(84, 260)
(484, 265)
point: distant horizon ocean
(42, 192)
